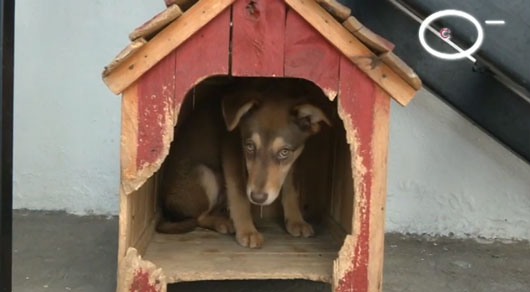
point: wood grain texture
(183, 4)
(128, 51)
(402, 69)
(129, 134)
(336, 9)
(356, 108)
(155, 24)
(258, 37)
(372, 40)
(156, 91)
(164, 43)
(379, 146)
(207, 255)
(309, 55)
(352, 24)
(211, 43)
(354, 49)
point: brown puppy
(268, 123)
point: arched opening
(325, 183)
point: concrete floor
(59, 252)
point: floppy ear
(234, 108)
(309, 117)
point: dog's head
(274, 126)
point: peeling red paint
(156, 89)
(141, 283)
(309, 55)
(210, 43)
(357, 98)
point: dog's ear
(234, 107)
(309, 117)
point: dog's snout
(259, 197)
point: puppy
(248, 162)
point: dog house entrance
(326, 193)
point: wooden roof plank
(128, 51)
(402, 69)
(183, 4)
(156, 24)
(354, 49)
(163, 43)
(337, 9)
(374, 41)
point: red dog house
(357, 72)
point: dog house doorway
(324, 179)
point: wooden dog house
(172, 53)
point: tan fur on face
(256, 139)
(275, 173)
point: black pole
(7, 17)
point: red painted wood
(309, 55)
(258, 37)
(357, 98)
(141, 283)
(156, 90)
(204, 54)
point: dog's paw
(299, 228)
(251, 239)
(224, 226)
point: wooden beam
(156, 24)
(374, 41)
(128, 51)
(338, 10)
(402, 69)
(183, 4)
(164, 42)
(354, 49)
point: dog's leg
(246, 233)
(212, 218)
(294, 221)
(217, 222)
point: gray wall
(445, 175)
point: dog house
(175, 54)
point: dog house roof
(159, 36)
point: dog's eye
(284, 153)
(249, 146)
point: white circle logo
(457, 13)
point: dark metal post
(7, 16)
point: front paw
(251, 239)
(224, 226)
(299, 228)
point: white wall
(445, 175)
(66, 121)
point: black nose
(258, 198)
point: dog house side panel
(364, 109)
(156, 89)
(378, 197)
(258, 37)
(204, 54)
(309, 55)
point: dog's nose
(258, 198)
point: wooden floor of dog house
(207, 255)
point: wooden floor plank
(206, 255)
